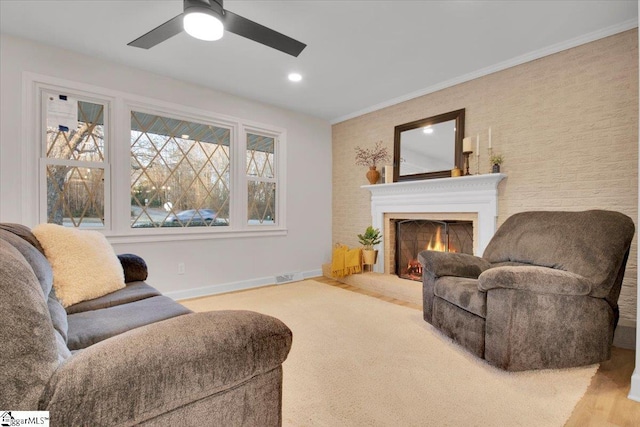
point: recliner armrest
(542, 280)
(453, 264)
(135, 269)
(158, 368)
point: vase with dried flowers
(371, 157)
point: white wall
(634, 392)
(217, 264)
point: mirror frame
(458, 116)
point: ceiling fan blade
(159, 34)
(246, 28)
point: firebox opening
(414, 236)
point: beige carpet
(361, 361)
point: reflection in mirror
(429, 148)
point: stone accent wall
(567, 125)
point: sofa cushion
(34, 257)
(58, 315)
(24, 232)
(463, 293)
(84, 264)
(19, 239)
(89, 327)
(134, 291)
(29, 353)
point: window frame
(44, 160)
(118, 162)
(179, 115)
(277, 164)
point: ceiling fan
(207, 20)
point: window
(74, 161)
(180, 172)
(145, 170)
(261, 179)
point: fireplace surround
(468, 198)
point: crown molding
(518, 60)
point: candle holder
(466, 162)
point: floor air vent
(288, 277)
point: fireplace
(415, 235)
(473, 198)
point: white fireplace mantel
(476, 194)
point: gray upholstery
(29, 353)
(140, 358)
(544, 294)
(20, 237)
(463, 293)
(134, 291)
(163, 367)
(89, 327)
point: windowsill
(158, 235)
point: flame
(435, 244)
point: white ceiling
(361, 55)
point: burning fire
(435, 244)
(414, 268)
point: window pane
(85, 141)
(262, 203)
(75, 196)
(260, 150)
(75, 133)
(179, 173)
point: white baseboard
(233, 286)
(634, 393)
(312, 273)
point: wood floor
(604, 404)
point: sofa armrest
(135, 269)
(542, 280)
(164, 366)
(453, 264)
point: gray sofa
(133, 357)
(543, 295)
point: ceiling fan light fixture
(203, 26)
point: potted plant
(371, 157)
(496, 160)
(369, 239)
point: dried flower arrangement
(371, 156)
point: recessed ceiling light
(295, 77)
(428, 129)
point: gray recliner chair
(543, 295)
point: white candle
(466, 144)
(489, 137)
(478, 145)
(388, 174)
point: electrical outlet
(181, 268)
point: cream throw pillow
(83, 262)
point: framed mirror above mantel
(428, 148)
